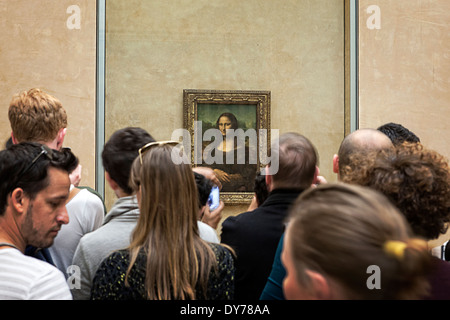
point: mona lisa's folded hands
(209, 174)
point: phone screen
(214, 198)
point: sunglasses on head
(152, 144)
(45, 151)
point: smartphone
(214, 198)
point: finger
(217, 182)
(226, 177)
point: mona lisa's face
(224, 124)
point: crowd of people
(301, 237)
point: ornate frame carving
(192, 99)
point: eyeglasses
(156, 143)
(44, 151)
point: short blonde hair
(36, 116)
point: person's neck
(120, 193)
(52, 144)
(10, 233)
(7, 241)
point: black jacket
(254, 236)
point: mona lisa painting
(225, 128)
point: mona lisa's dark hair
(234, 122)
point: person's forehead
(59, 182)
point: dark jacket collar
(278, 196)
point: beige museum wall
(404, 69)
(37, 49)
(295, 49)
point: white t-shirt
(207, 232)
(27, 278)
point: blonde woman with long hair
(166, 259)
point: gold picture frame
(203, 108)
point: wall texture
(51, 45)
(295, 49)
(404, 69)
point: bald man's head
(360, 141)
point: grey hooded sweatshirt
(94, 247)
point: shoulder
(241, 217)
(223, 254)
(43, 279)
(50, 284)
(31, 266)
(117, 257)
(207, 232)
(240, 221)
(224, 259)
(109, 281)
(112, 266)
(85, 197)
(89, 197)
(88, 209)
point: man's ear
(336, 163)
(18, 200)
(319, 286)
(316, 174)
(14, 140)
(60, 138)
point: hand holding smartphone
(214, 198)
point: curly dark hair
(415, 179)
(398, 133)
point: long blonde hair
(178, 260)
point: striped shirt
(27, 278)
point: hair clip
(395, 249)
